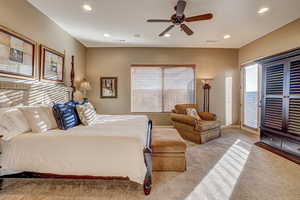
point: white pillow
(193, 112)
(13, 120)
(7, 135)
(87, 114)
(40, 118)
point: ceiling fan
(179, 18)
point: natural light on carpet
(219, 183)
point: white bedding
(111, 147)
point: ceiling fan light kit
(179, 18)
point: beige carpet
(230, 167)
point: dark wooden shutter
(273, 113)
(273, 96)
(294, 97)
(280, 105)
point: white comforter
(111, 147)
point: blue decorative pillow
(66, 115)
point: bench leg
(147, 189)
(148, 177)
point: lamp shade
(85, 85)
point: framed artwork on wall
(52, 64)
(17, 55)
(109, 87)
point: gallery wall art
(52, 65)
(17, 55)
(108, 87)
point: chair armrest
(207, 116)
(183, 119)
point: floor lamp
(206, 90)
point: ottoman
(168, 150)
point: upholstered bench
(168, 150)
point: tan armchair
(198, 131)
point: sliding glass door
(250, 96)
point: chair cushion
(202, 125)
(167, 140)
(66, 115)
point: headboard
(13, 93)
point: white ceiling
(122, 19)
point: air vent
(274, 83)
(295, 78)
(211, 41)
(273, 113)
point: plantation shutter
(294, 97)
(273, 96)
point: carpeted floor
(230, 167)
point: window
(159, 89)
(250, 118)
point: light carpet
(227, 168)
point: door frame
(242, 89)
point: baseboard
(230, 126)
(256, 132)
(283, 154)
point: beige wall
(22, 17)
(280, 40)
(211, 63)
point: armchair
(198, 131)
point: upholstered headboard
(13, 93)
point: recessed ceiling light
(263, 10)
(167, 35)
(106, 35)
(227, 36)
(87, 7)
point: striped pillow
(87, 114)
(66, 115)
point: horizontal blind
(179, 87)
(146, 89)
(159, 89)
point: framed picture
(109, 87)
(17, 55)
(52, 65)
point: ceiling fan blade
(167, 30)
(159, 20)
(199, 17)
(181, 4)
(186, 29)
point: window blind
(159, 89)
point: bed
(116, 146)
